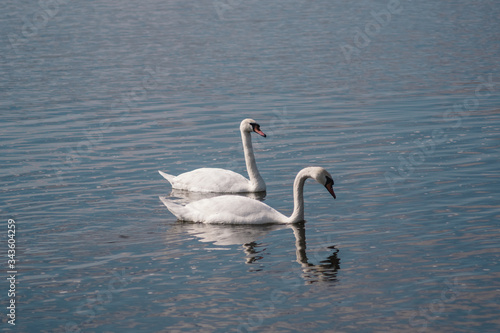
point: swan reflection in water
(247, 236)
(326, 270)
(184, 197)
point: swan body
(233, 209)
(222, 180)
(211, 180)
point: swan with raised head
(222, 180)
(231, 209)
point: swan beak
(258, 131)
(330, 189)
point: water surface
(98, 96)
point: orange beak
(329, 187)
(258, 131)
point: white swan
(221, 180)
(234, 209)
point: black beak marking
(328, 185)
(256, 129)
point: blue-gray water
(397, 99)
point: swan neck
(253, 173)
(298, 198)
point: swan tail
(178, 210)
(168, 177)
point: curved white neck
(254, 175)
(298, 198)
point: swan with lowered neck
(232, 209)
(221, 180)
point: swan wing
(226, 209)
(211, 180)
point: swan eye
(256, 129)
(329, 181)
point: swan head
(250, 125)
(323, 177)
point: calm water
(399, 103)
